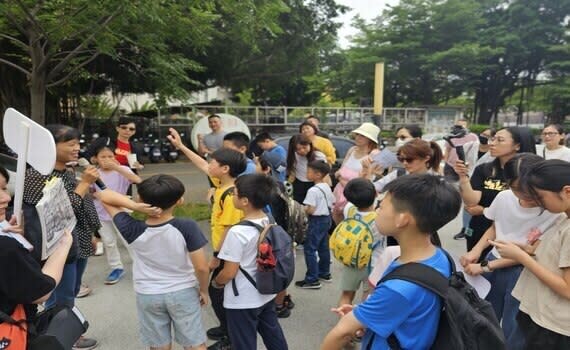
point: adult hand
(473, 269)
(138, 166)
(175, 138)
(14, 227)
(509, 250)
(147, 209)
(461, 168)
(203, 298)
(469, 258)
(90, 174)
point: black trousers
(244, 324)
(537, 337)
(217, 299)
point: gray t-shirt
(214, 141)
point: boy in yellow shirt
(225, 166)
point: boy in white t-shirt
(318, 205)
(248, 311)
(361, 196)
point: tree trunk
(38, 97)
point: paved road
(112, 313)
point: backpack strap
(225, 194)
(8, 319)
(325, 197)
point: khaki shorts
(352, 278)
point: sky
(367, 9)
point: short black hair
(125, 121)
(98, 147)
(233, 159)
(320, 166)
(63, 133)
(257, 188)
(430, 199)
(414, 130)
(5, 173)
(214, 116)
(310, 116)
(360, 192)
(264, 136)
(162, 191)
(238, 138)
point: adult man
(209, 143)
(315, 121)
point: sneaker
(283, 311)
(308, 285)
(222, 344)
(326, 278)
(115, 276)
(99, 249)
(85, 344)
(83, 291)
(216, 333)
(289, 302)
(460, 235)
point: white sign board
(34, 145)
(230, 123)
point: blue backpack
(275, 259)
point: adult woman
(407, 133)
(366, 140)
(24, 283)
(488, 179)
(543, 288)
(320, 143)
(301, 151)
(553, 138)
(67, 147)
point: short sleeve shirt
(488, 179)
(122, 151)
(224, 214)
(321, 197)
(214, 141)
(114, 181)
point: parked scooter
(169, 152)
(155, 152)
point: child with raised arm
(170, 268)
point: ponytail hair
(436, 156)
(518, 165)
(418, 148)
(549, 175)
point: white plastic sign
(230, 123)
(34, 145)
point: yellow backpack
(352, 241)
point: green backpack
(352, 241)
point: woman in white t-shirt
(299, 154)
(543, 288)
(553, 139)
(516, 218)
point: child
(414, 206)
(318, 205)
(170, 268)
(248, 311)
(118, 178)
(515, 216)
(275, 152)
(361, 195)
(543, 288)
(225, 166)
(240, 142)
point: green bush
(195, 211)
(478, 128)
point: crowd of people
(515, 203)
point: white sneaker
(99, 250)
(83, 291)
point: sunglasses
(127, 128)
(405, 159)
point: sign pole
(378, 91)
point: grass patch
(195, 211)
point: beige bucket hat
(368, 130)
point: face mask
(483, 140)
(399, 142)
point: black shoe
(326, 278)
(460, 235)
(222, 344)
(308, 285)
(289, 302)
(283, 311)
(216, 333)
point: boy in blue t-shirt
(274, 152)
(414, 206)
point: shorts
(351, 278)
(158, 313)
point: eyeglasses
(550, 134)
(130, 128)
(405, 159)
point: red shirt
(121, 152)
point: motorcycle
(155, 152)
(169, 152)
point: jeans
(68, 287)
(466, 219)
(317, 240)
(505, 305)
(109, 234)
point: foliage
(195, 211)
(97, 107)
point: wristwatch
(485, 266)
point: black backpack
(275, 259)
(467, 322)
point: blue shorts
(158, 313)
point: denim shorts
(159, 313)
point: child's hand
(203, 298)
(343, 309)
(473, 269)
(147, 209)
(174, 138)
(509, 250)
(469, 258)
(14, 226)
(214, 263)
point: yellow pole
(378, 88)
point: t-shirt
(240, 246)
(249, 167)
(224, 214)
(321, 197)
(379, 239)
(122, 150)
(214, 141)
(325, 146)
(562, 153)
(544, 306)
(409, 311)
(114, 181)
(161, 263)
(301, 165)
(513, 222)
(488, 179)
(21, 277)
